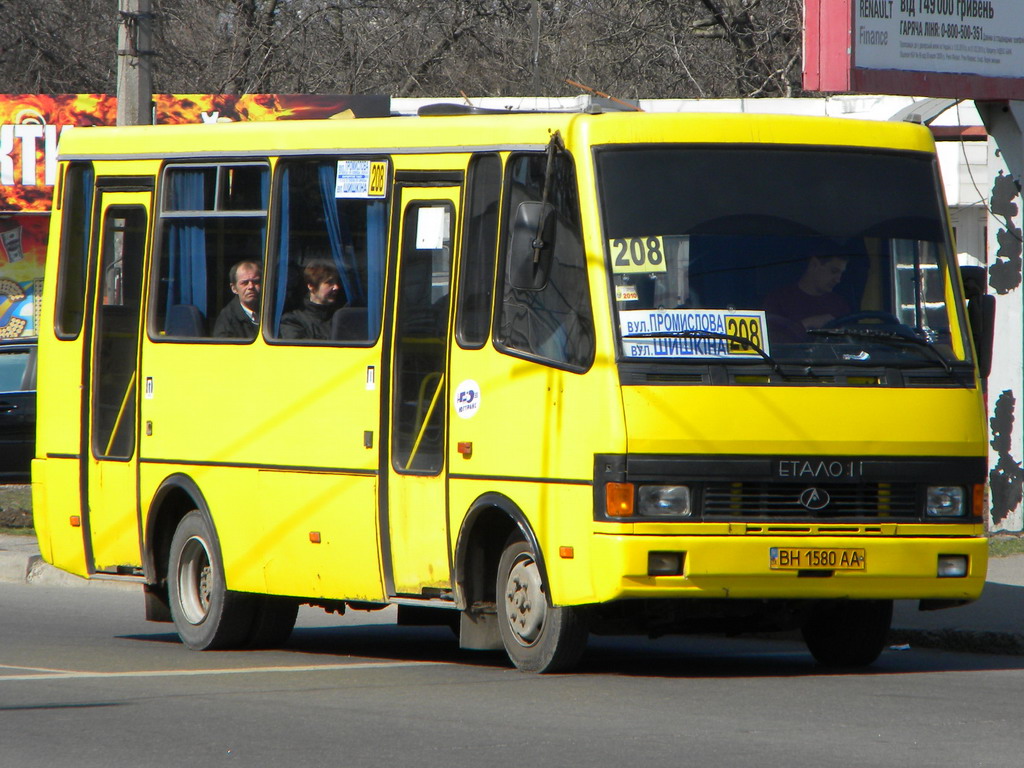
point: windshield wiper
(697, 334)
(884, 336)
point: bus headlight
(665, 501)
(945, 501)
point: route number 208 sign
(637, 254)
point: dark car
(17, 409)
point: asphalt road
(85, 681)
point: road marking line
(77, 675)
(33, 669)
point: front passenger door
(417, 512)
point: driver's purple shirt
(794, 304)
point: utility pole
(134, 62)
(535, 24)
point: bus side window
(331, 228)
(212, 217)
(74, 252)
(550, 319)
(480, 241)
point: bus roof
(482, 132)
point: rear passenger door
(110, 449)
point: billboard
(30, 128)
(970, 49)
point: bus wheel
(273, 622)
(206, 616)
(848, 633)
(537, 636)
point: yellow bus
(533, 376)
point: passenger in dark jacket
(240, 318)
(313, 319)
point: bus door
(415, 510)
(110, 449)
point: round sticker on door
(467, 399)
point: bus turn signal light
(979, 497)
(618, 499)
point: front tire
(206, 615)
(537, 636)
(848, 633)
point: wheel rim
(194, 576)
(525, 602)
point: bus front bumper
(788, 567)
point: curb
(14, 568)
(24, 568)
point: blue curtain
(283, 236)
(87, 185)
(264, 195)
(187, 243)
(340, 238)
(376, 250)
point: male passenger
(810, 302)
(313, 319)
(240, 318)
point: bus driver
(810, 302)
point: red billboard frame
(829, 64)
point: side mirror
(981, 313)
(531, 245)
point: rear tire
(848, 633)
(206, 615)
(273, 622)
(537, 636)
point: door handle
(8, 407)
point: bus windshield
(809, 256)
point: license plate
(816, 559)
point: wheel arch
(177, 495)
(491, 519)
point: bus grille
(776, 500)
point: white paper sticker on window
(361, 178)
(431, 232)
(694, 333)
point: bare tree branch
(650, 49)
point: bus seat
(185, 320)
(350, 324)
